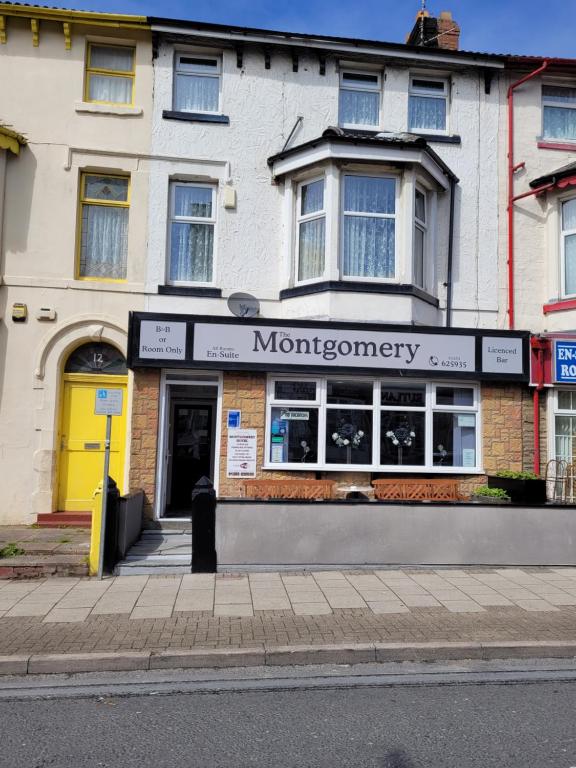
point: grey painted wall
(373, 534)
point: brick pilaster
(143, 446)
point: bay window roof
(363, 146)
(561, 177)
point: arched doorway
(82, 434)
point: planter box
(492, 500)
(288, 489)
(417, 489)
(520, 491)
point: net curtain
(197, 93)
(569, 225)
(359, 107)
(427, 113)
(192, 243)
(111, 88)
(369, 241)
(312, 233)
(104, 242)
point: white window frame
(555, 104)
(425, 93)
(554, 410)
(320, 402)
(365, 87)
(302, 218)
(212, 220)
(563, 233)
(201, 73)
(394, 216)
(423, 226)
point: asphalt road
(335, 720)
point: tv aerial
(243, 305)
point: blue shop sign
(565, 362)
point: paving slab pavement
(510, 610)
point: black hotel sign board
(220, 343)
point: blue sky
(497, 26)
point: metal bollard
(204, 527)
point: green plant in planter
(492, 493)
(517, 475)
(522, 487)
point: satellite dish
(243, 305)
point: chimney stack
(431, 32)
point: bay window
(347, 227)
(311, 230)
(559, 112)
(369, 227)
(372, 424)
(427, 104)
(568, 246)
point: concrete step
(158, 551)
(150, 569)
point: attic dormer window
(359, 99)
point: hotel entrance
(189, 436)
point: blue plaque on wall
(565, 362)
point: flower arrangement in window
(402, 436)
(347, 435)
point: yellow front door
(82, 436)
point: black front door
(192, 444)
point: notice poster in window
(468, 420)
(468, 457)
(292, 415)
(277, 451)
(241, 460)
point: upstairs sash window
(197, 83)
(420, 236)
(104, 203)
(192, 224)
(569, 246)
(559, 112)
(369, 227)
(359, 103)
(427, 105)
(311, 230)
(109, 74)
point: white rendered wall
(263, 106)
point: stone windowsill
(107, 109)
